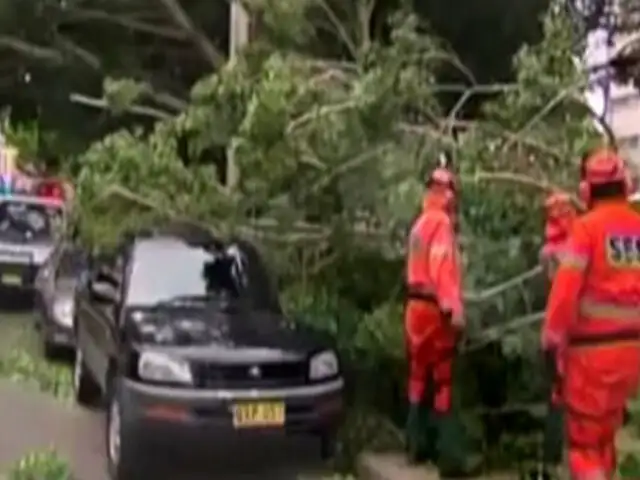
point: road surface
(32, 420)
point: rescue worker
(560, 214)
(593, 320)
(434, 320)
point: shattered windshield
(25, 221)
(170, 271)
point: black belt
(419, 293)
(591, 339)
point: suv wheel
(85, 389)
(49, 350)
(123, 458)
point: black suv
(183, 338)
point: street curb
(394, 466)
(391, 466)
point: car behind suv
(55, 288)
(184, 338)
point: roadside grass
(21, 360)
(40, 465)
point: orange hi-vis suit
(560, 215)
(593, 318)
(434, 298)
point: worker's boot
(552, 443)
(455, 456)
(420, 435)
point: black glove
(551, 366)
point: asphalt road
(31, 420)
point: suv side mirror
(103, 292)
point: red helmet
(604, 166)
(442, 177)
(558, 205)
(560, 213)
(601, 167)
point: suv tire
(123, 453)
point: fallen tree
(330, 157)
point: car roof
(33, 200)
(186, 233)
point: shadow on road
(31, 420)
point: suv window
(165, 269)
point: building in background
(625, 97)
(625, 120)
(612, 61)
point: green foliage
(26, 367)
(629, 467)
(41, 465)
(330, 158)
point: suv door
(45, 281)
(97, 329)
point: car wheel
(85, 389)
(49, 349)
(328, 445)
(123, 453)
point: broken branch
(103, 104)
(180, 17)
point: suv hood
(207, 331)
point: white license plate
(11, 279)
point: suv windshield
(168, 270)
(24, 221)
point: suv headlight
(323, 365)
(63, 311)
(161, 367)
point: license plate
(11, 279)
(259, 414)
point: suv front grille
(250, 375)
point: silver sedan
(56, 283)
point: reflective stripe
(593, 310)
(440, 250)
(573, 260)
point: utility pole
(239, 28)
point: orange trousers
(431, 345)
(597, 383)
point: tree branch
(495, 332)
(498, 289)
(468, 94)
(365, 12)
(522, 180)
(340, 29)
(83, 14)
(102, 104)
(29, 49)
(86, 56)
(323, 111)
(180, 17)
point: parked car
(183, 338)
(54, 301)
(29, 229)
